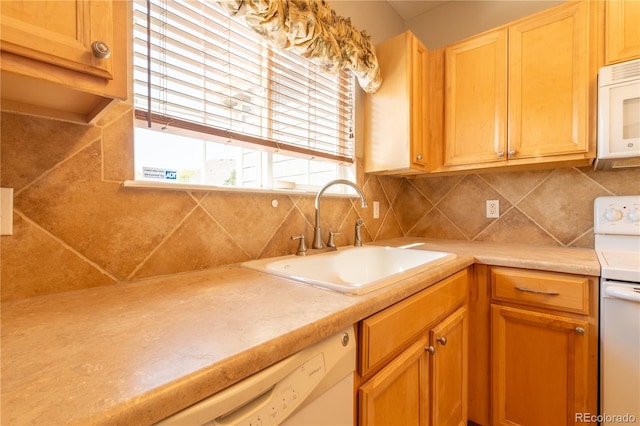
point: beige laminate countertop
(138, 352)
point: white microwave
(619, 116)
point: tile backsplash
(76, 226)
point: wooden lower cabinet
(539, 367)
(420, 380)
(539, 363)
(449, 393)
(398, 395)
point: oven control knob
(634, 215)
(612, 215)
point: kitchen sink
(352, 270)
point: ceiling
(408, 9)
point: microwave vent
(625, 71)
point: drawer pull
(430, 349)
(531, 290)
(442, 340)
(579, 330)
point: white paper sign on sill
(156, 173)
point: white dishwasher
(313, 387)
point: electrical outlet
(376, 209)
(493, 208)
(6, 211)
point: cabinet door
(419, 104)
(59, 32)
(539, 367)
(449, 374)
(549, 81)
(398, 394)
(476, 100)
(622, 30)
(395, 128)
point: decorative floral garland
(313, 30)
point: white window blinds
(196, 69)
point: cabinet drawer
(385, 334)
(545, 289)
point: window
(215, 105)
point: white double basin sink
(352, 270)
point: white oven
(619, 116)
(617, 244)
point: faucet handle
(331, 243)
(302, 247)
(358, 237)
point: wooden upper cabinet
(49, 64)
(476, 100)
(396, 116)
(549, 79)
(622, 31)
(524, 93)
(59, 33)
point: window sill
(141, 184)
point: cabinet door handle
(500, 154)
(442, 340)
(531, 290)
(511, 152)
(418, 157)
(100, 49)
(430, 349)
(579, 330)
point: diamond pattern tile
(76, 227)
(434, 188)
(281, 244)
(465, 205)
(250, 219)
(31, 146)
(117, 148)
(527, 231)
(436, 225)
(410, 206)
(563, 204)
(618, 182)
(515, 185)
(390, 228)
(198, 243)
(115, 227)
(391, 185)
(34, 263)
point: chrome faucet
(317, 237)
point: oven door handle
(627, 293)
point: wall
(456, 20)
(446, 23)
(75, 226)
(376, 17)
